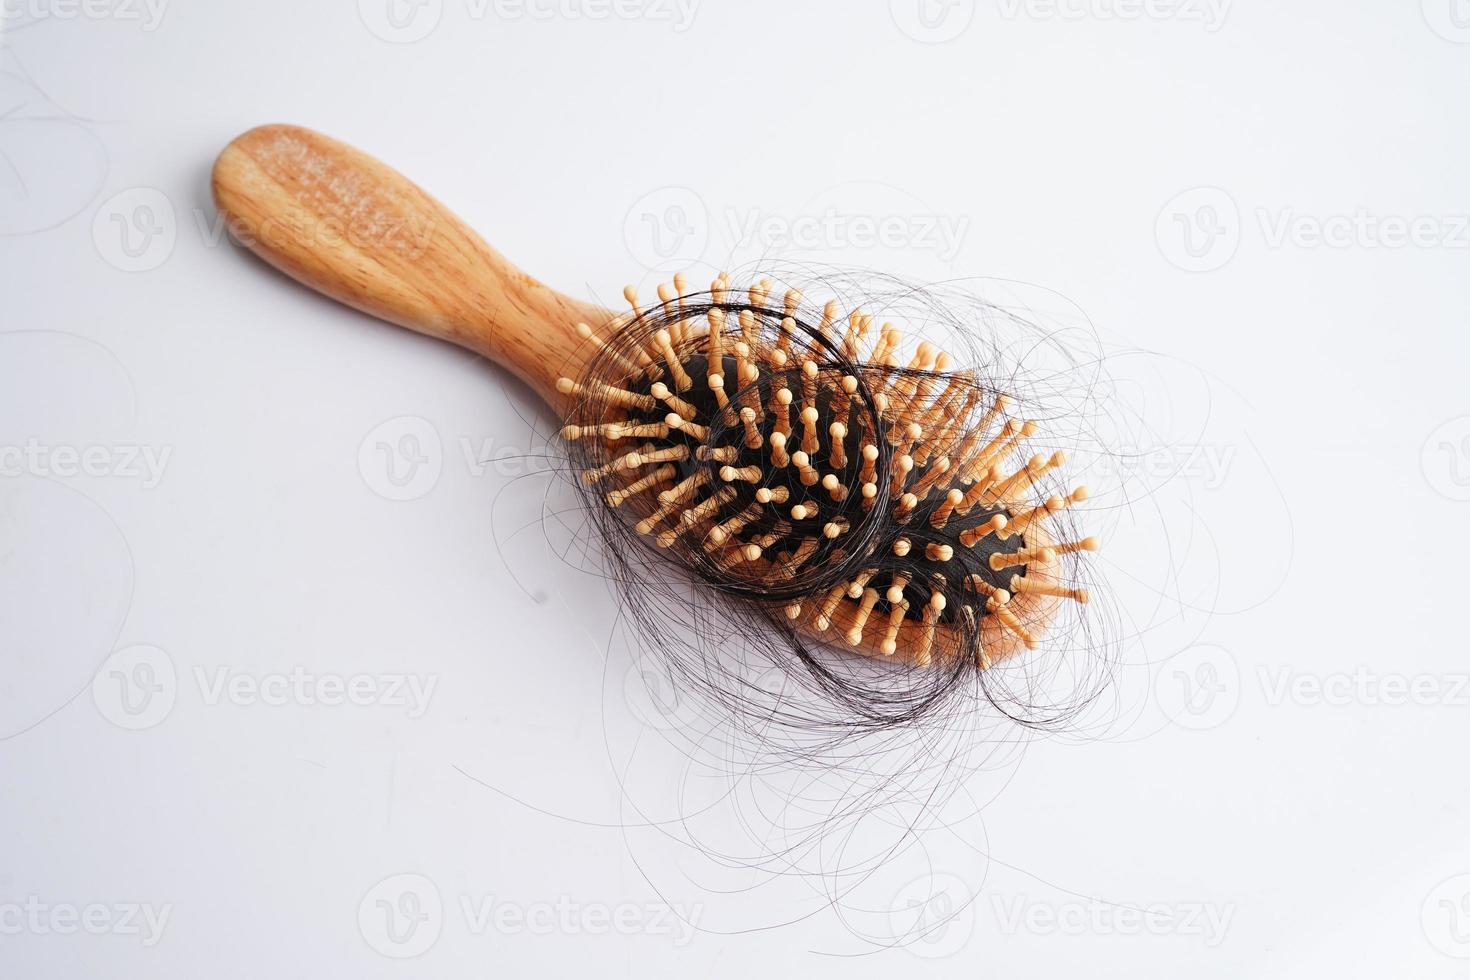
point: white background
(1226, 185)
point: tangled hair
(722, 622)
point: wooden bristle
(1022, 557)
(661, 475)
(661, 391)
(1002, 611)
(1022, 585)
(865, 608)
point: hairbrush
(790, 456)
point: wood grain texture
(353, 228)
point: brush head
(868, 498)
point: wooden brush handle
(345, 224)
